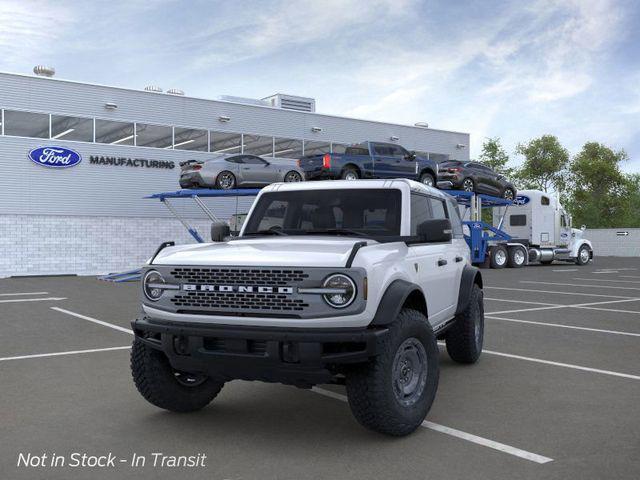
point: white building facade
(91, 218)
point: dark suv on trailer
(475, 177)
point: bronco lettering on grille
(237, 289)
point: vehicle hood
(309, 251)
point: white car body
(435, 267)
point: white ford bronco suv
(346, 282)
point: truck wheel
(499, 256)
(350, 173)
(465, 337)
(167, 388)
(517, 257)
(508, 194)
(584, 255)
(427, 179)
(393, 392)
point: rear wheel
(508, 194)
(499, 256)
(350, 173)
(468, 185)
(465, 338)
(292, 176)
(226, 180)
(517, 257)
(163, 386)
(427, 179)
(393, 392)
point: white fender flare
(576, 246)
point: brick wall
(609, 241)
(51, 245)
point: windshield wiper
(339, 231)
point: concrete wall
(612, 242)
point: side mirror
(219, 231)
(583, 228)
(435, 231)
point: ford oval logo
(521, 200)
(55, 157)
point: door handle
(459, 259)
(442, 262)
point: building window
(258, 145)
(26, 124)
(157, 136)
(287, 148)
(190, 139)
(71, 128)
(115, 133)
(316, 148)
(226, 143)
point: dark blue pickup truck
(370, 160)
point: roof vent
(153, 88)
(175, 91)
(422, 124)
(43, 71)
(291, 102)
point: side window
(517, 220)
(382, 150)
(252, 160)
(437, 208)
(397, 151)
(420, 211)
(234, 160)
(456, 221)
(544, 201)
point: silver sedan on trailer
(238, 171)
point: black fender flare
(470, 275)
(392, 301)
(430, 170)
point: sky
(509, 69)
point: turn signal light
(326, 161)
(196, 167)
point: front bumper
(291, 356)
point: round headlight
(344, 290)
(150, 285)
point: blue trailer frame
(481, 234)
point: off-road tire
(348, 174)
(496, 259)
(370, 386)
(155, 380)
(465, 337)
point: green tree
(600, 194)
(494, 156)
(545, 164)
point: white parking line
(581, 285)
(606, 280)
(469, 437)
(565, 365)
(520, 301)
(567, 270)
(58, 354)
(26, 293)
(629, 276)
(19, 300)
(576, 305)
(94, 320)
(556, 292)
(559, 325)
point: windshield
(357, 212)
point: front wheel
(163, 386)
(226, 180)
(584, 255)
(427, 179)
(292, 176)
(393, 392)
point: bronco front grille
(238, 301)
(239, 276)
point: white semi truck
(541, 232)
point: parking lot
(555, 394)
